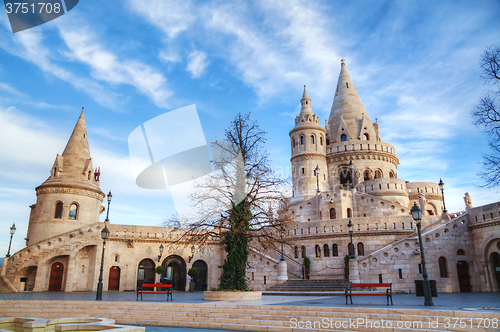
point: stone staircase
(309, 287)
(256, 318)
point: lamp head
(13, 229)
(441, 184)
(161, 249)
(350, 225)
(109, 196)
(193, 249)
(416, 213)
(105, 233)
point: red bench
(167, 287)
(388, 290)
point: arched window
(318, 251)
(391, 174)
(303, 251)
(345, 177)
(343, 138)
(350, 249)
(301, 140)
(296, 252)
(333, 214)
(55, 171)
(90, 173)
(460, 252)
(366, 175)
(326, 250)
(361, 249)
(327, 141)
(335, 250)
(294, 142)
(349, 213)
(366, 137)
(378, 174)
(321, 140)
(59, 207)
(73, 211)
(312, 139)
(443, 268)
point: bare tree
(487, 116)
(241, 204)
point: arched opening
(343, 138)
(321, 140)
(326, 250)
(345, 178)
(294, 142)
(301, 140)
(495, 267)
(73, 211)
(350, 249)
(463, 277)
(312, 139)
(333, 214)
(361, 249)
(366, 137)
(146, 273)
(303, 251)
(177, 276)
(296, 252)
(335, 250)
(460, 252)
(443, 267)
(349, 213)
(366, 175)
(114, 278)
(318, 251)
(378, 174)
(55, 171)
(56, 277)
(391, 175)
(200, 282)
(59, 208)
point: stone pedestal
(353, 271)
(282, 273)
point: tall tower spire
(77, 153)
(348, 111)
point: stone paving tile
(484, 302)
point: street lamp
(161, 252)
(193, 249)
(109, 201)
(12, 231)
(350, 226)
(316, 170)
(416, 213)
(104, 235)
(441, 186)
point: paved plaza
(483, 302)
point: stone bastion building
(341, 171)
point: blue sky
(415, 65)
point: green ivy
(235, 242)
(307, 266)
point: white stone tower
(70, 198)
(308, 142)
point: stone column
(282, 272)
(353, 271)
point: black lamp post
(161, 252)
(441, 186)
(416, 213)
(12, 231)
(350, 226)
(104, 235)
(193, 249)
(109, 201)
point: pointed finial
(83, 108)
(342, 62)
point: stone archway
(495, 269)
(146, 273)
(200, 282)
(175, 272)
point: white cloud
(197, 62)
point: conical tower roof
(347, 106)
(77, 150)
(305, 103)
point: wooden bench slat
(388, 292)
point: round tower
(308, 144)
(70, 198)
